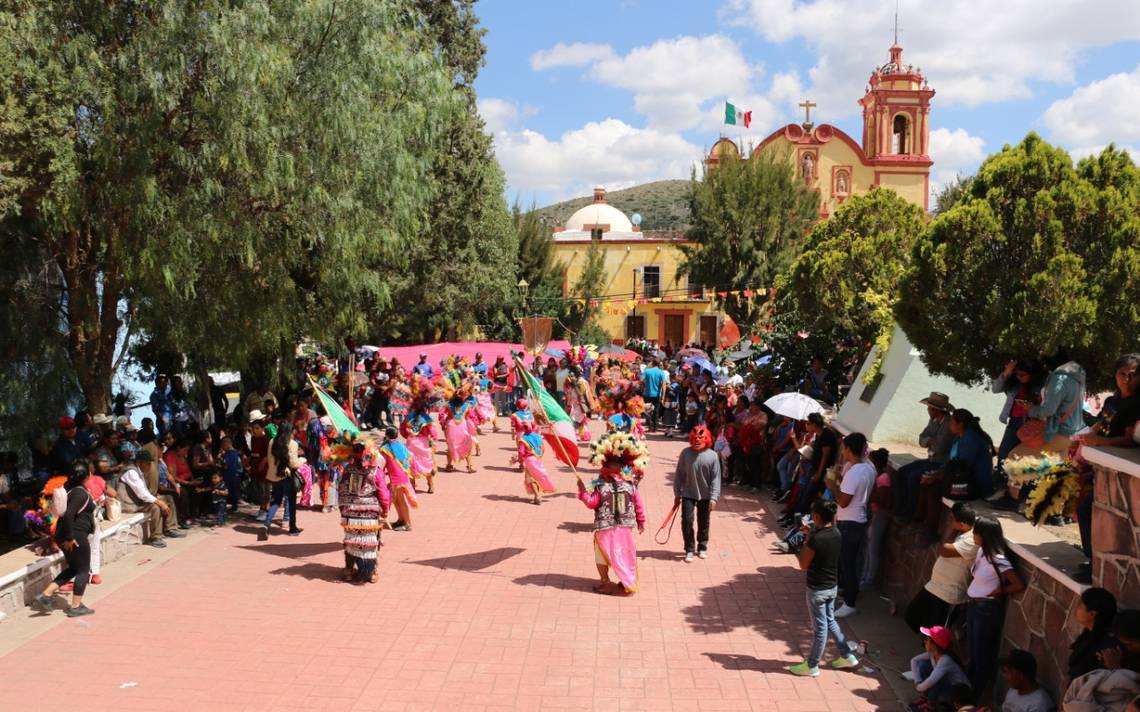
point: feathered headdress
(1057, 485)
(619, 454)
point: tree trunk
(93, 293)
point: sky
(622, 92)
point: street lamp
(524, 287)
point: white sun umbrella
(796, 406)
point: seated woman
(935, 672)
(973, 450)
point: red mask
(700, 438)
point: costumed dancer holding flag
(364, 503)
(419, 431)
(618, 507)
(535, 478)
(398, 464)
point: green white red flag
(546, 410)
(735, 116)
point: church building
(895, 144)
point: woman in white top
(852, 492)
(994, 578)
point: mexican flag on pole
(562, 439)
(735, 117)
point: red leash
(670, 520)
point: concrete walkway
(486, 605)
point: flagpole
(556, 440)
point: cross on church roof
(807, 106)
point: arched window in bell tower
(900, 135)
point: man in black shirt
(820, 558)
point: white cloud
(956, 148)
(609, 152)
(974, 51)
(955, 152)
(675, 82)
(575, 54)
(1105, 111)
(498, 114)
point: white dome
(599, 214)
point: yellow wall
(836, 154)
(621, 259)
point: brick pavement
(485, 605)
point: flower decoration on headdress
(619, 454)
(1024, 470)
(342, 452)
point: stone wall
(1039, 620)
(18, 587)
(1116, 533)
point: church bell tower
(896, 113)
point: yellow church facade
(647, 296)
(895, 144)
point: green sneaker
(803, 670)
(845, 663)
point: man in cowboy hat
(937, 439)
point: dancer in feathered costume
(618, 507)
(473, 417)
(521, 421)
(453, 418)
(535, 478)
(1057, 485)
(364, 503)
(398, 465)
(418, 430)
(485, 406)
(578, 402)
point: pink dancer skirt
(615, 547)
(422, 460)
(536, 472)
(306, 494)
(407, 489)
(458, 437)
(486, 408)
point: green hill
(663, 205)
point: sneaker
(263, 535)
(845, 663)
(173, 533)
(42, 604)
(295, 532)
(702, 554)
(96, 579)
(156, 543)
(688, 557)
(784, 497)
(803, 670)
(784, 547)
(183, 525)
(845, 610)
(402, 527)
(80, 610)
(908, 676)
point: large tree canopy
(227, 176)
(1038, 255)
(844, 285)
(749, 220)
(457, 277)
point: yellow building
(645, 295)
(894, 153)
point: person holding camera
(819, 557)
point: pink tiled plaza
(485, 605)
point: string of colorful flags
(620, 306)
